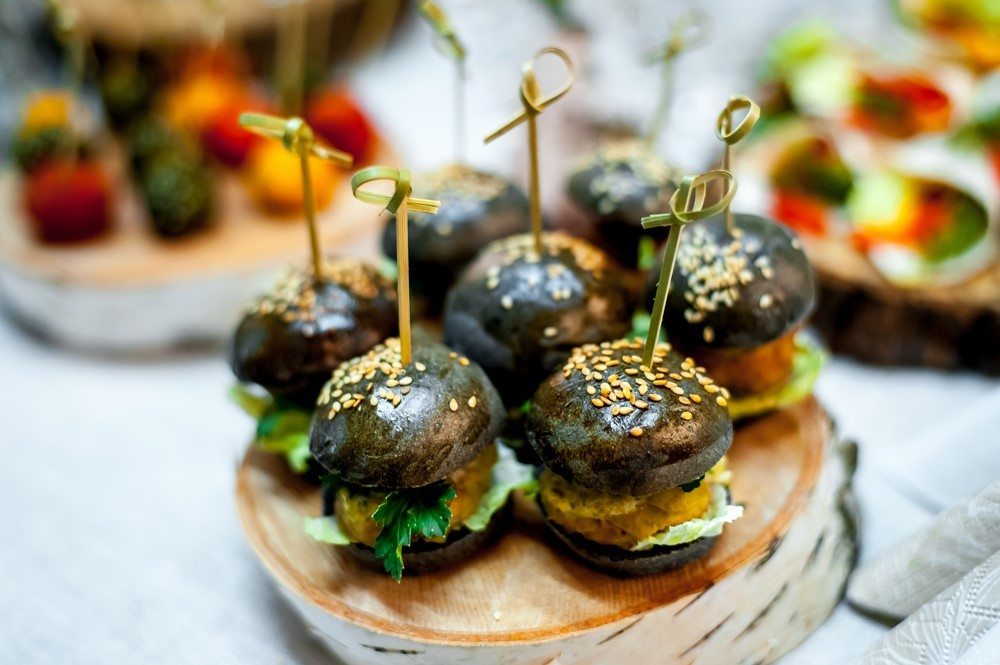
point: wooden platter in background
(135, 23)
(859, 314)
(134, 292)
(771, 579)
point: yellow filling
(622, 521)
(354, 509)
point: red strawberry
(339, 121)
(68, 201)
(224, 139)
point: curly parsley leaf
(406, 514)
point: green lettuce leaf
(326, 530)
(281, 429)
(404, 514)
(508, 475)
(809, 359)
(720, 512)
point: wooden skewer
(399, 204)
(691, 195)
(299, 139)
(730, 135)
(533, 104)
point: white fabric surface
(120, 542)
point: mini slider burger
(529, 299)
(408, 436)
(295, 334)
(476, 207)
(519, 312)
(742, 288)
(417, 479)
(635, 481)
(624, 179)
(621, 182)
(632, 437)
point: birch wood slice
(134, 292)
(771, 579)
(861, 315)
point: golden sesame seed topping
(596, 402)
(635, 431)
(687, 415)
(472, 402)
(721, 401)
(696, 399)
(453, 404)
(550, 331)
(463, 361)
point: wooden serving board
(772, 578)
(133, 291)
(954, 326)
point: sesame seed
(506, 302)
(373, 400)
(472, 402)
(766, 301)
(635, 431)
(420, 366)
(406, 380)
(641, 404)
(684, 400)
(596, 402)
(687, 415)
(721, 401)
(696, 399)
(654, 397)
(591, 390)
(453, 404)
(463, 361)
(551, 331)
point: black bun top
(476, 208)
(293, 336)
(622, 181)
(608, 423)
(519, 313)
(738, 291)
(381, 424)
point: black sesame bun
(381, 424)
(476, 208)
(629, 563)
(740, 291)
(607, 423)
(293, 336)
(519, 314)
(618, 185)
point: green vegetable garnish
(407, 513)
(281, 428)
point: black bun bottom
(425, 557)
(625, 563)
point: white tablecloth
(119, 539)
